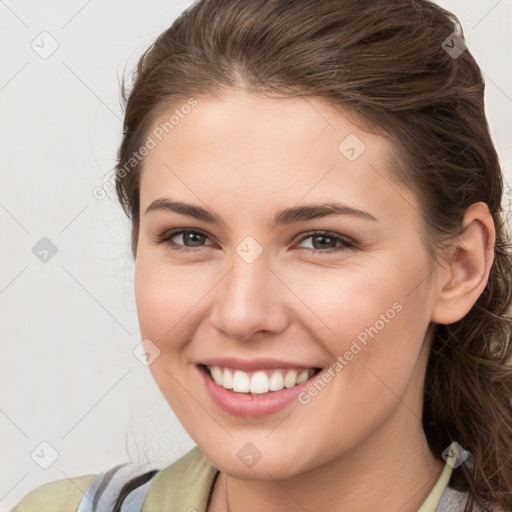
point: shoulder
(58, 496)
(184, 485)
(187, 480)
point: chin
(251, 461)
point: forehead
(262, 149)
(260, 123)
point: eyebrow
(286, 216)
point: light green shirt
(183, 486)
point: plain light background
(68, 375)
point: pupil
(321, 237)
(190, 237)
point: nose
(250, 300)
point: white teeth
(241, 382)
(227, 379)
(291, 379)
(303, 376)
(258, 382)
(276, 381)
(217, 375)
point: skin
(359, 444)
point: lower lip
(242, 404)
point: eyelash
(346, 244)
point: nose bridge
(248, 296)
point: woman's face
(269, 283)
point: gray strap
(134, 500)
(103, 490)
(452, 501)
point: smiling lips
(256, 387)
(261, 381)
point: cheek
(339, 303)
(167, 297)
(372, 316)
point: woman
(322, 271)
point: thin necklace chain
(227, 502)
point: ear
(469, 261)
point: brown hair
(385, 63)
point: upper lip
(253, 364)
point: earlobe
(466, 274)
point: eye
(193, 241)
(190, 237)
(328, 240)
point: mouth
(259, 382)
